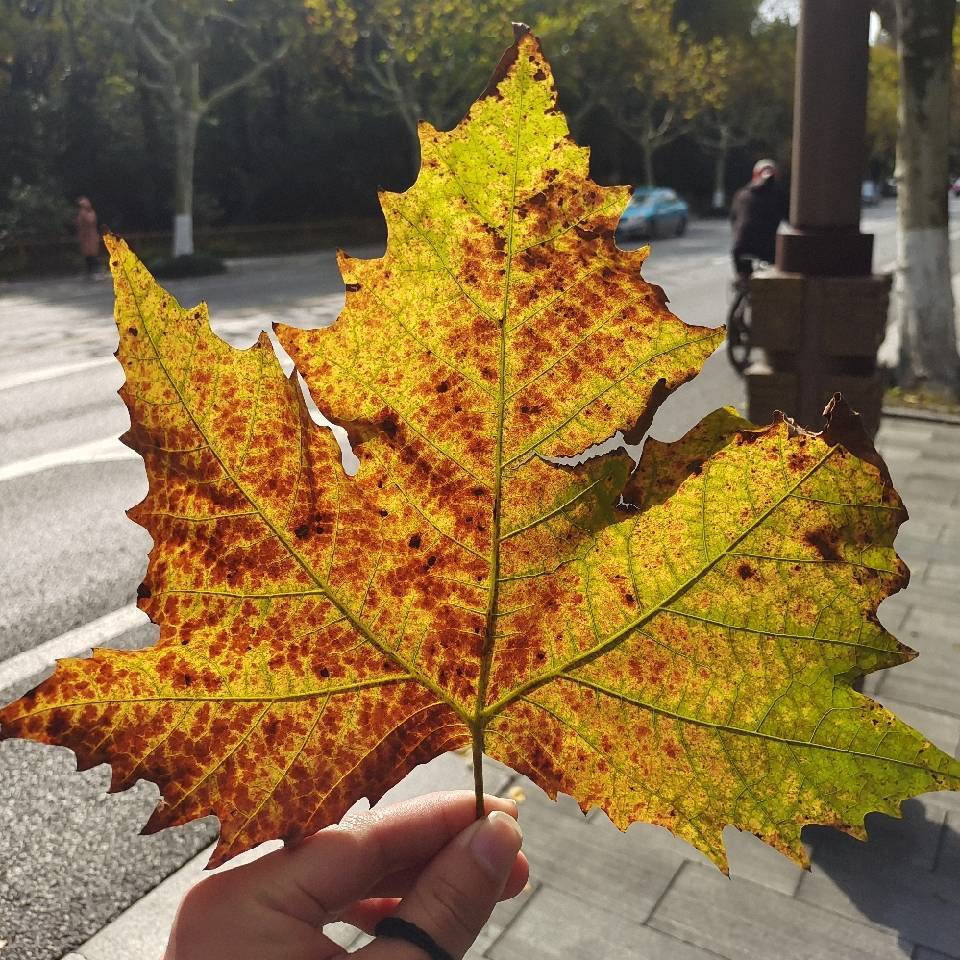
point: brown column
(829, 123)
(820, 314)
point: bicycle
(739, 339)
(739, 343)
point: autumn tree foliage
(174, 41)
(86, 108)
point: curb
(922, 414)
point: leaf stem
(478, 770)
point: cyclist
(755, 214)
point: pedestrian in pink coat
(88, 236)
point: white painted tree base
(928, 327)
(183, 234)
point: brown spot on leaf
(824, 541)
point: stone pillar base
(821, 336)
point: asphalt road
(70, 858)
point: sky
(791, 9)
(780, 8)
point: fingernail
(495, 843)
(489, 800)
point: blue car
(653, 212)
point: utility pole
(820, 313)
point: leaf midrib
(738, 731)
(493, 593)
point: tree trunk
(154, 193)
(646, 153)
(186, 120)
(928, 349)
(410, 122)
(720, 156)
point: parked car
(653, 212)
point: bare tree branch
(224, 17)
(244, 79)
(164, 63)
(170, 38)
(162, 88)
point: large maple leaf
(674, 643)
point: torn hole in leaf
(348, 459)
(630, 440)
(616, 442)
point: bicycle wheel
(738, 332)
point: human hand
(428, 861)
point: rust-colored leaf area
(674, 642)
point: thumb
(457, 891)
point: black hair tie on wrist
(398, 929)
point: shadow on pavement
(907, 877)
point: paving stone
(593, 860)
(931, 624)
(555, 925)
(942, 575)
(503, 915)
(932, 680)
(936, 490)
(942, 729)
(893, 611)
(899, 453)
(946, 800)
(906, 466)
(933, 512)
(647, 836)
(746, 921)
(923, 525)
(918, 568)
(943, 451)
(948, 856)
(886, 882)
(752, 859)
(909, 547)
(924, 953)
(901, 432)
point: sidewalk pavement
(597, 894)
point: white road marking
(52, 373)
(70, 644)
(103, 450)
